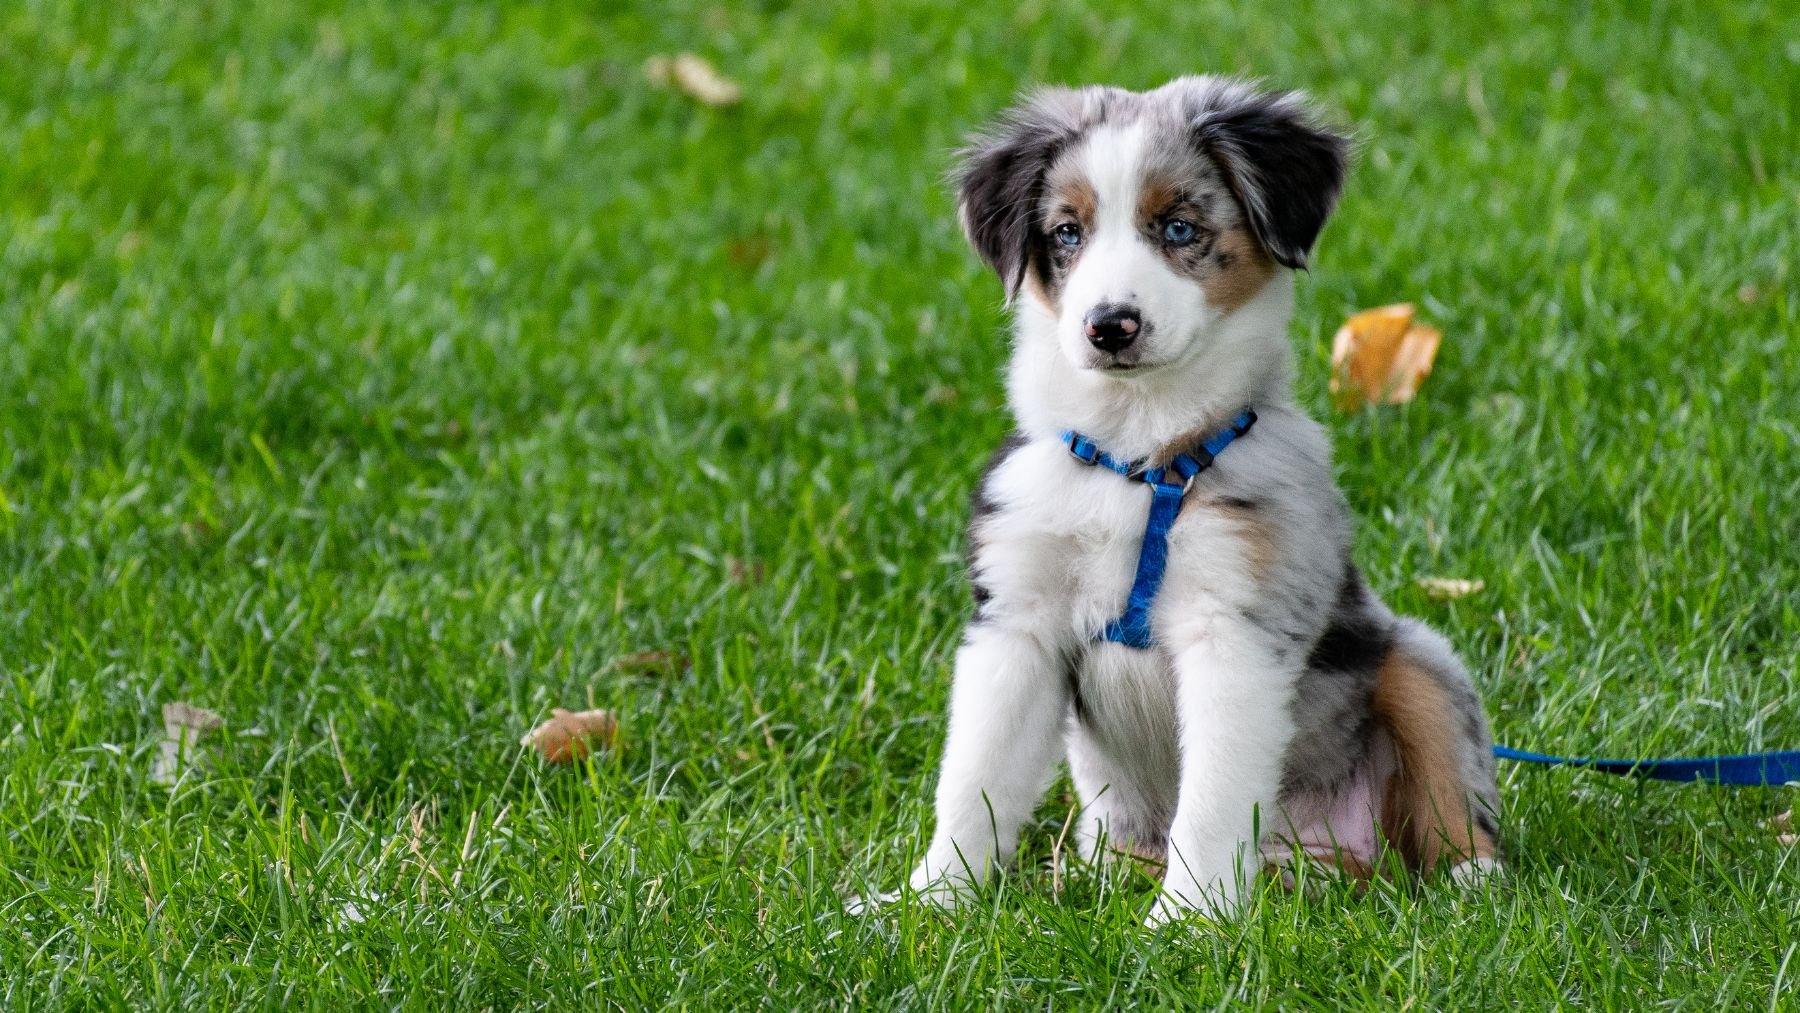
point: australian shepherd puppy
(1148, 243)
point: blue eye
(1068, 235)
(1178, 232)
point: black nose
(1110, 326)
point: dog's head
(1139, 221)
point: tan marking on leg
(1349, 865)
(1150, 859)
(1343, 862)
(1324, 870)
(1239, 269)
(1426, 809)
(1256, 537)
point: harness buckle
(1083, 449)
(1153, 477)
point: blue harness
(1133, 627)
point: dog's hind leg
(1117, 819)
(1122, 758)
(1441, 802)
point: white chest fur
(1061, 550)
(1062, 547)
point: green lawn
(381, 375)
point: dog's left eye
(1177, 231)
(1068, 235)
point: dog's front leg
(1007, 707)
(1233, 695)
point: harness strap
(1132, 628)
(1741, 769)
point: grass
(380, 376)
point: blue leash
(1133, 627)
(1742, 769)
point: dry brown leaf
(196, 531)
(1784, 823)
(183, 716)
(694, 76)
(570, 735)
(750, 251)
(1449, 588)
(745, 573)
(651, 663)
(184, 725)
(1380, 356)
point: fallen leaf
(1786, 840)
(197, 531)
(750, 251)
(184, 725)
(186, 716)
(1783, 823)
(651, 663)
(569, 735)
(696, 77)
(1449, 588)
(744, 573)
(357, 911)
(1380, 356)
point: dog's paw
(1186, 898)
(1164, 912)
(1169, 910)
(929, 886)
(1476, 872)
(864, 906)
(944, 892)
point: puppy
(1262, 703)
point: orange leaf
(569, 735)
(1380, 356)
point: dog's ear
(1285, 168)
(1000, 178)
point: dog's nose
(1110, 326)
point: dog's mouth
(1110, 365)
